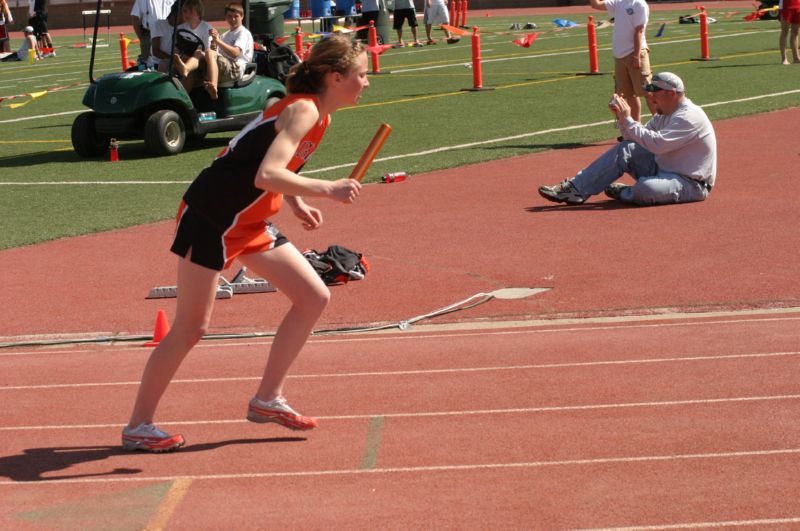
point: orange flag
(527, 40)
(453, 29)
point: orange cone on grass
(161, 330)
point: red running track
(590, 425)
(662, 416)
(442, 237)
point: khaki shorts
(228, 70)
(629, 80)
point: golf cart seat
(247, 78)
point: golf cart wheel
(85, 140)
(164, 133)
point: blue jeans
(653, 186)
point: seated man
(228, 55)
(673, 158)
(28, 43)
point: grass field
(538, 103)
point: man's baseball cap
(665, 81)
(28, 29)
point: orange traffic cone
(162, 329)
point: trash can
(324, 11)
(321, 8)
(346, 8)
(294, 10)
(266, 17)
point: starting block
(239, 284)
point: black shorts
(209, 246)
(405, 14)
(39, 24)
(364, 21)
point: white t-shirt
(203, 31)
(242, 39)
(149, 11)
(628, 14)
(163, 30)
(22, 53)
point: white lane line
(420, 332)
(40, 116)
(426, 414)
(456, 370)
(703, 525)
(422, 469)
(431, 151)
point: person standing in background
(37, 10)
(6, 19)
(789, 14)
(629, 45)
(369, 12)
(144, 15)
(404, 10)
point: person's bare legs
(794, 44)
(185, 68)
(212, 71)
(197, 288)
(782, 39)
(289, 271)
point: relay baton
(371, 152)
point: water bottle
(207, 116)
(395, 177)
(113, 150)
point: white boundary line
(456, 330)
(37, 117)
(419, 469)
(457, 370)
(703, 525)
(427, 414)
(382, 159)
(578, 51)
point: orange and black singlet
(225, 194)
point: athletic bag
(337, 265)
(275, 59)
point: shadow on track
(34, 463)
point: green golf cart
(154, 106)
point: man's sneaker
(564, 192)
(614, 190)
(148, 438)
(280, 412)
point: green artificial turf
(538, 102)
